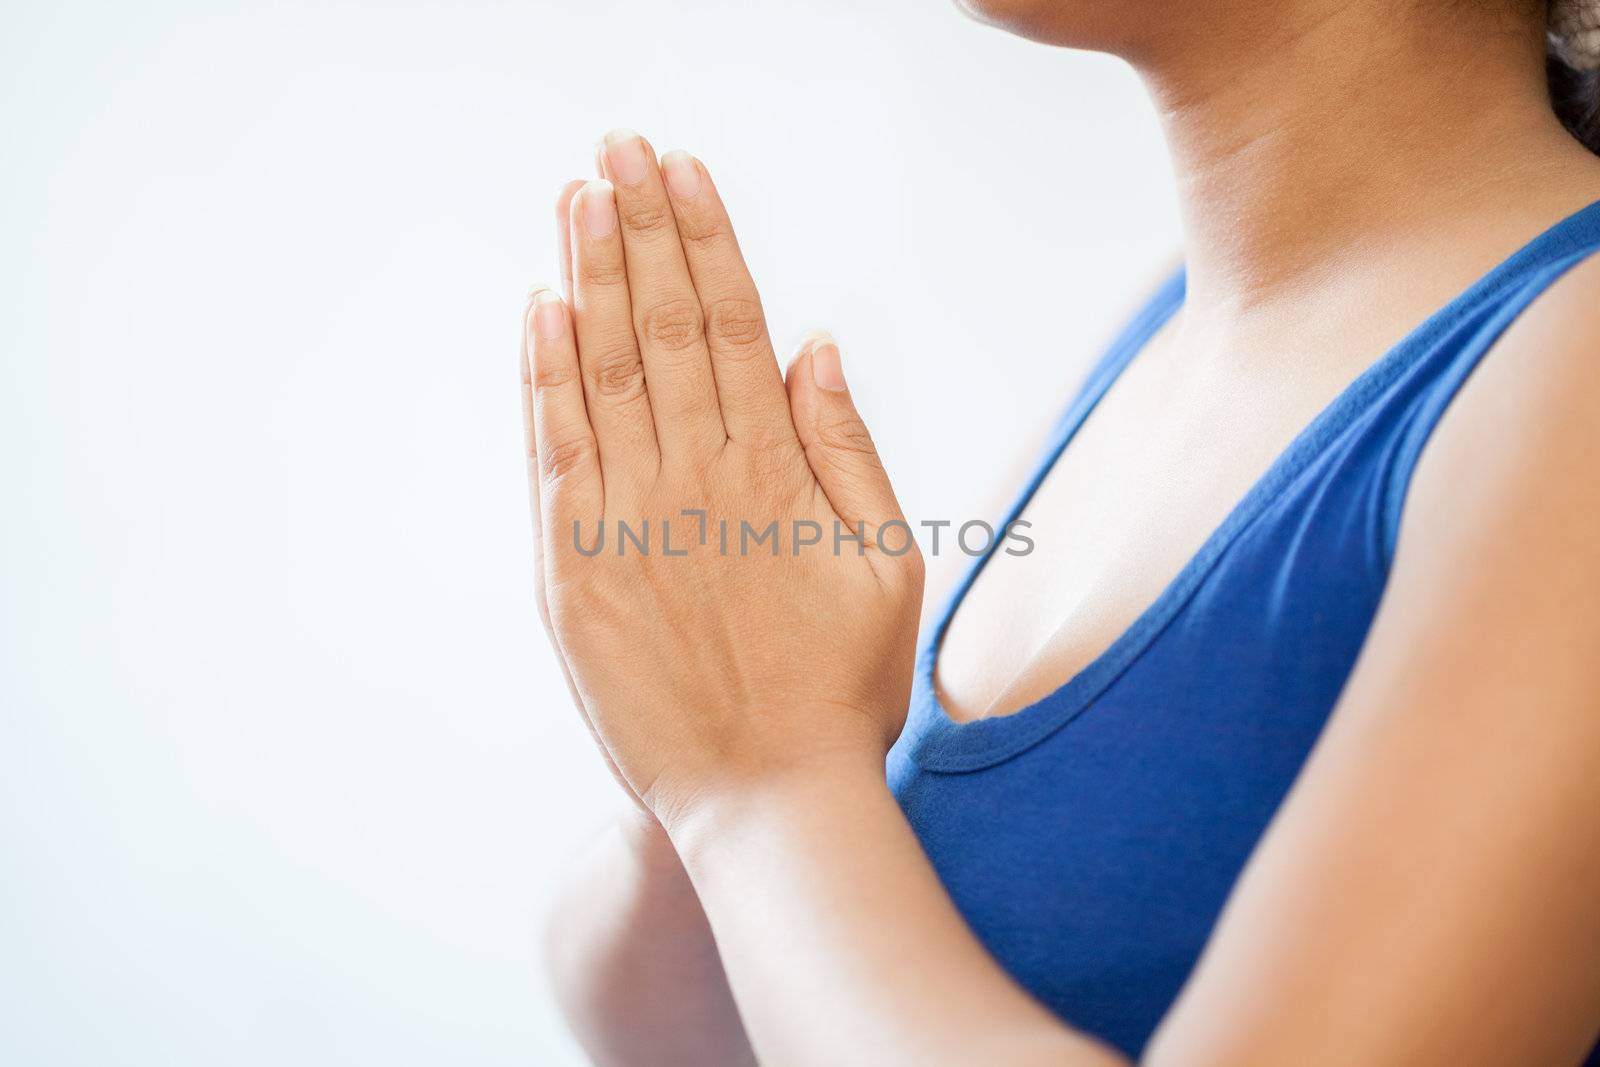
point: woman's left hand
(730, 581)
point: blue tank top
(1091, 839)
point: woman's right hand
(706, 661)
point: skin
(1427, 894)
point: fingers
(564, 233)
(540, 600)
(838, 446)
(666, 310)
(749, 384)
(564, 456)
(613, 371)
(535, 482)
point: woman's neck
(1317, 137)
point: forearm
(841, 944)
(632, 960)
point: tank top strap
(1466, 331)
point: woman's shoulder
(1564, 320)
(1519, 445)
(1548, 359)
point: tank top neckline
(939, 743)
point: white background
(286, 770)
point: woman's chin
(1070, 23)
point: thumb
(838, 446)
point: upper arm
(1429, 893)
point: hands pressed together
(724, 571)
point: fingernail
(599, 208)
(625, 156)
(682, 174)
(826, 370)
(564, 197)
(549, 314)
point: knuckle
(618, 374)
(696, 230)
(553, 374)
(601, 273)
(673, 325)
(849, 435)
(774, 446)
(644, 215)
(736, 323)
(766, 450)
(561, 459)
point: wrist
(645, 842)
(807, 792)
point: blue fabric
(1091, 839)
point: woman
(1325, 517)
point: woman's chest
(1151, 474)
(1091, 840)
